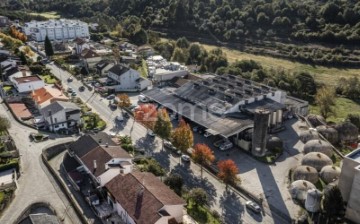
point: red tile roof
(142, 195)
(20, 110)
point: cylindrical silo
(261, 120)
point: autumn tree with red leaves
(147, 115)
(124, 100)
(182, 137)
(228, 172)
(14, 32)
(202, 154)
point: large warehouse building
(226, 105)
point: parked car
(196, 128)
(110, 97)
(119, 118)
(185, 158)
(151, 133)
(169, 145)
(143, 99)
(253, 206)
(207, 134)
(81, 88)
(73, 93)
(70, 79)
(125, 114)
(226, 145)
(70, 90)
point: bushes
(13, 163)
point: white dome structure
(298, 189)
(318, 146)
(313, 200)
(307, 173)
(317, 160)
(329, 173)
(308, 135)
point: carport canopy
(211, 131)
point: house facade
(103, 66)
(141, 198)
(127, 79)
(62, 29)
(27, 83)
(101, 158)
(4, 21)
(61, 115)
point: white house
(26, 83)
(141, 198)
(62, 29)
(80, 45)
(103, 66)
(127, 79)
(61, 115)
(101, 158)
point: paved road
(229, 204)
(35, 182)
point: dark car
(126, 115)
(253, 206)
(81, 88)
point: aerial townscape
(179, 111)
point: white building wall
(29, 86)
(127, 80)
(108, 175)
(165, 76)
(353, 205)
(56, 29)
(123, 214)
(176, 211)
(144, 83)
(56, 118)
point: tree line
(332, 21)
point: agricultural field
(48, 15)
(322, 74)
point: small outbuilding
(308, 135)
(330, 174)
(306, 173)
(298, 189)
(318, 146)
(330, 133)
(348, 132)
(317, 160)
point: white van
(143, 99)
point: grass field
(343, 107)
(48, 15)
(323, 74)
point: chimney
(100, 140)
(95, 166)
(107, 145)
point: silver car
(253, 206)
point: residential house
(141, 198)
(145, 50)
(127, 79)
(100, 157)
(128, 47)
(80, 45)
(61, 115)
(90, 56)
(48, 94)
(26, 83)
(103, 66)
(4, 21)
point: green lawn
(201, 214)
(343, 107)
(7, 88)
(48, 79)
(48, 15)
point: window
(56, 126)
(55, 120)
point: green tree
(23, 58)
(49, 51)
(4, 124)
(182, 42)
(333, 204)
(163, 125)
(140, 37)
(198, 196)
(175, 182)
(194, 53)
(182, 137)
(325, 99)
(179, 55)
